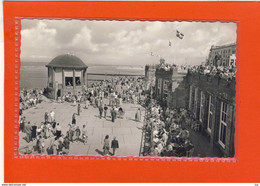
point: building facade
(150, 73)
(224, 55)
(66, 75)
(170, 86)
(212, 102)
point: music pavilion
(66, 75)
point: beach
(35, 74)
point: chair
(187, 121)
(196, 127)
(190, 152)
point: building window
(77, 80)
(232, 62)
(223, 124)
(69, 81)
(165, 88)
(201, 105)
(195, 102)
(210, 114)
(159, 86)
(190, 99)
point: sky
(122, 42)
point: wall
(220, 91)
(150, 72)
(176, 88)
(225, 52)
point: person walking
(105, 111)
(100, 101)
(138, 115)
(58, 131)
(40, 145)
(34, 133)
(84, 134)
(71, 132)
(77, 131)
(66, 144)
(28, 131)
(22, 123)
(114, 145)
(46, 117)
(73, 119)
(52, 115)
(78, 109)
(100, 108)
(106, 146)
(113, 114)
(121, 112)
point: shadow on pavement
(99, 152)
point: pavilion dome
(67, 61)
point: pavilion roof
(67, 61)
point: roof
(67, 61)
(213, 47)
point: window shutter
(203, 106)
(229, 114)
(206, 109)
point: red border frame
(95, 170)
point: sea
(35, 74)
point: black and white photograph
(127, 88)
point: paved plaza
(127, 131)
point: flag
(179, 34)
(170, 44)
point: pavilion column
(87, 78)
(53, 78)
(53, 83)
(82, 79)
(74, 80)
(63, 78)
(48, 77)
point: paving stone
(132, 139)
(122, 130)
(126, 129)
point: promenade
(127, 131)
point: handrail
(142, 138)
(104, 74)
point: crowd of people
(49, 137)
(165, 132)
(224, 72)
(29, 98)
(117, 90)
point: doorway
(59, 93)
